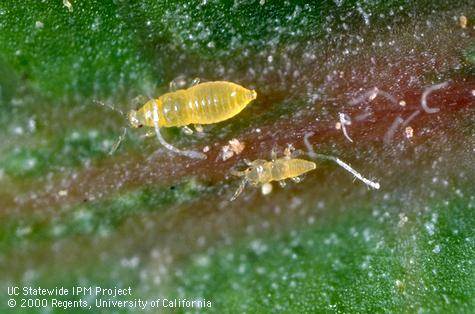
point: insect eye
(140, 126)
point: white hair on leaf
(344, 165)
(426, 93)
(371, 95)
(344, 121)
(392, 130)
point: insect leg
(195, 81)
(148, 134)
(288, 151)
(187, 130)
(177, 83)
(199, 128)
(282, 183)
(118, 142)
(173, 86)
(138, 101)
(239, 190)
(188, 153)
(273, 154)
(296, 179)
(247, 162)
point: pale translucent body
(263, 171)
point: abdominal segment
(203, 104)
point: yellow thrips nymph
(204, 103)
(261, 171)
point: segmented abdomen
(204, 103)
(289, 168)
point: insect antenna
(241, 187)
(111, 107)
(188, 153)
(344, 165)
(121, 138)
